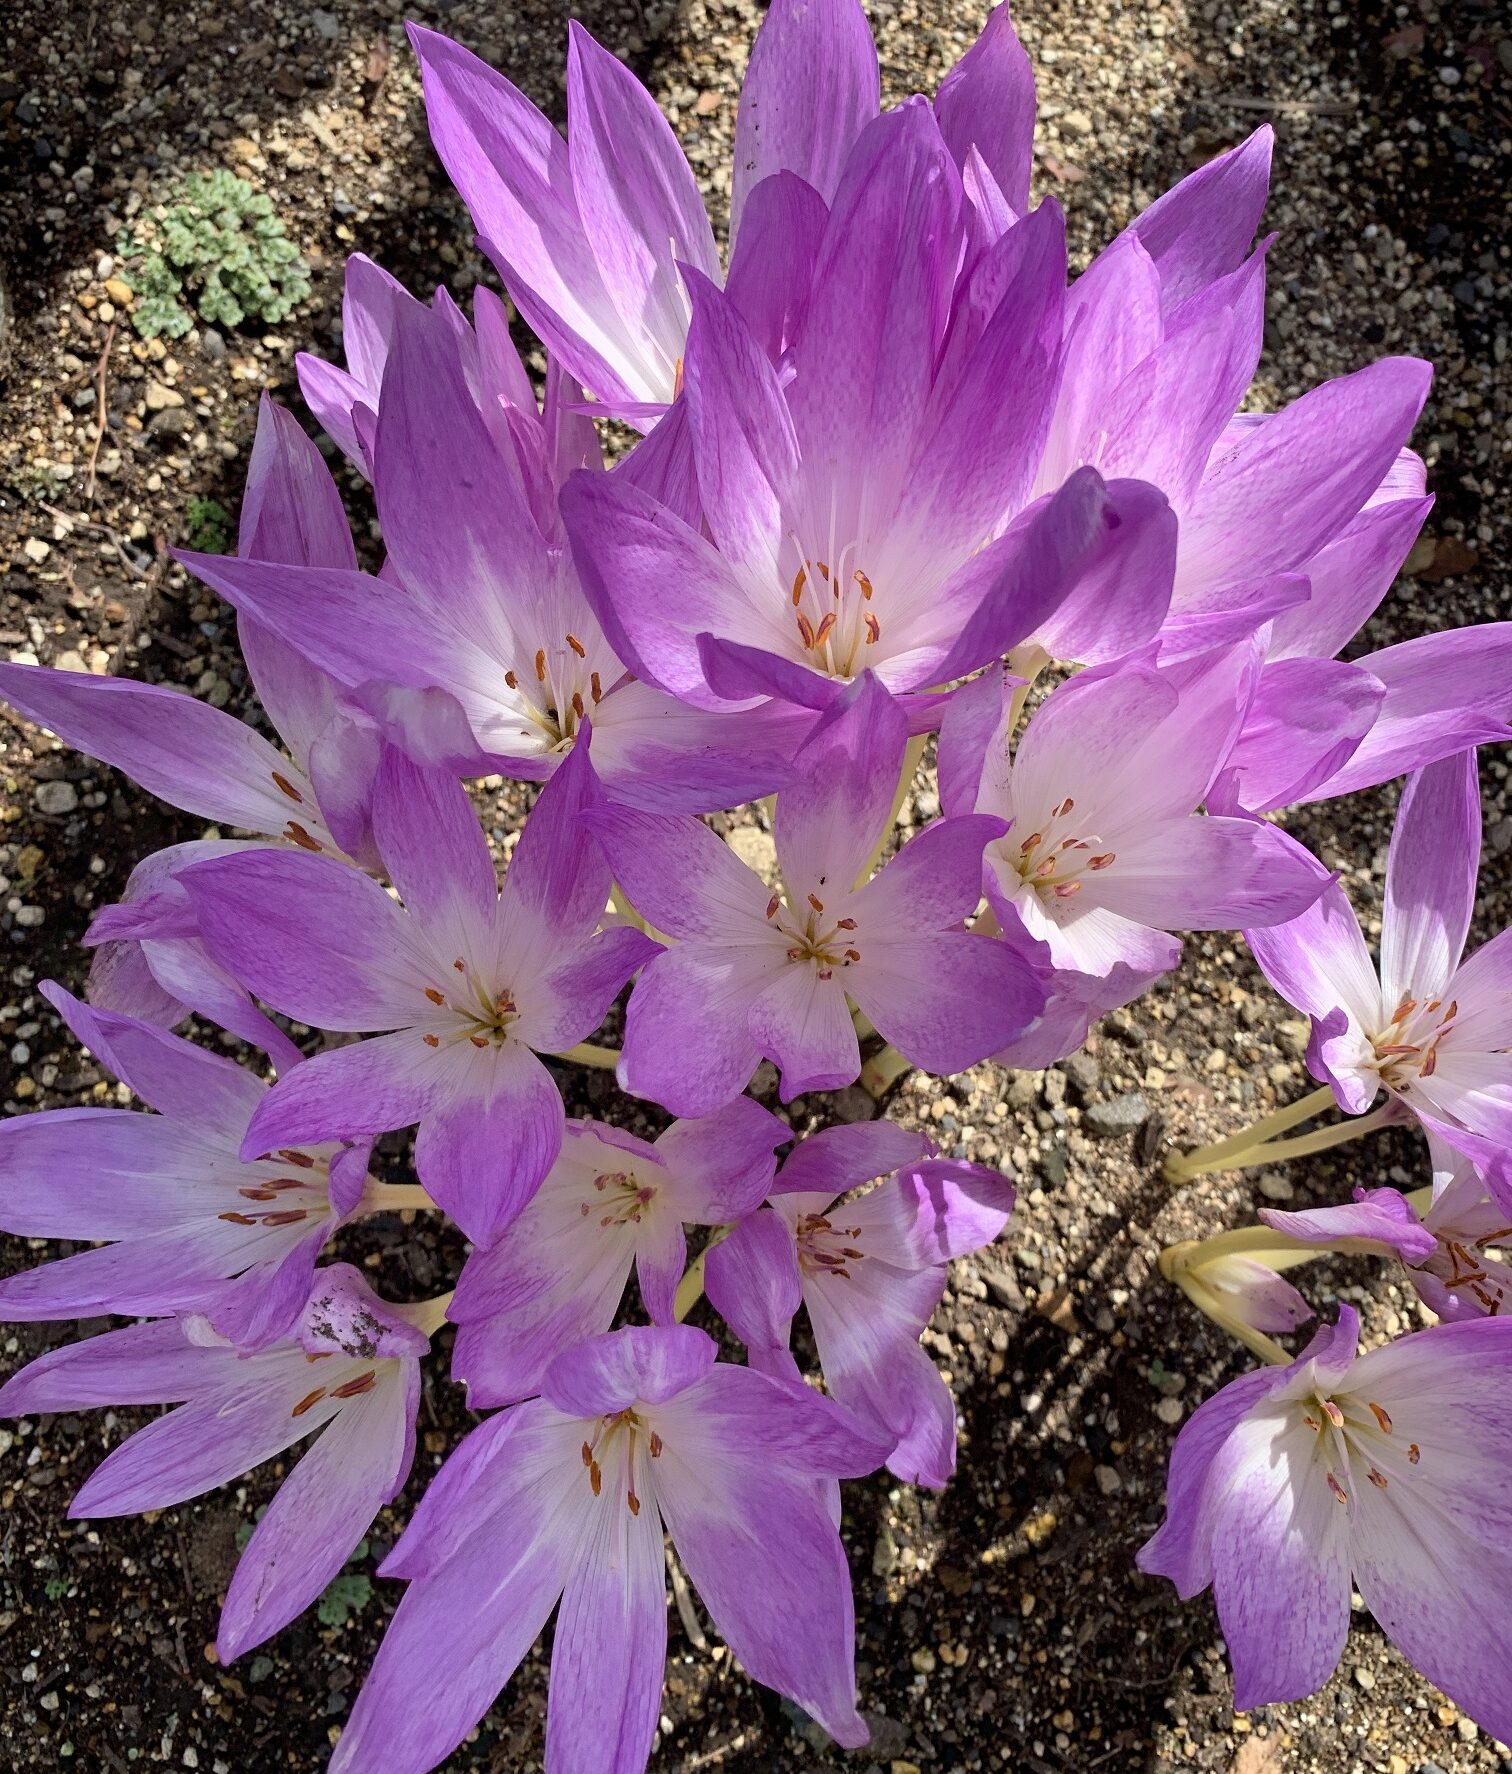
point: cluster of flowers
(890, 467)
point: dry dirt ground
(1001, 1625)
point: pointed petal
(986, 101)
(836, 1159)
(1201, 228)
(143, 1364)
(802, 1023)
(720, 1166)
(935, 880)
(945, 1001)
(681, 877)
(642, 1362)
(432, 845)
(688, 1041)
(1306, 721)
(752, 1280)
(347, 1092)
(773, 258)
(810, 88)
(1349, 576)
(1430, 880)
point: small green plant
(218, 249)
(207, 526)
(55, 1588)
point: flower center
(556, 691)
(1353, 1434)
(832, 611)
(828, 942)
(825, 1248)
(483, 1014)
(284, 1200)
(1463, 1263)
(1054, 856)
(1407, 1051)
(624, 1198)
(614, 1447)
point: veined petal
(947, 1000)
(801, 1022)
(688, 1042)
(1430, 879)
(987, 102)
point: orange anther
(435, 996)
(540, 665)
(1381, 1418)
(577, 646)
(298, 835)
(309, 1399)
(288, 787)
(365, 1382)
(431, 1040)
(865, 584)
(816, 902)
(511, 680)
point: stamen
(845, 924)
(237, 1219)
(816, 903)
(298, 835)
(302, 1159)
(1064, 808)
(431, 1040)
(853, 954)
(288, 787)
(511, 680)
(1333, 1413)
(824, 572)
(1029, 843)
(577, 646)
(435, 996)
(258, 1194)
(1101, 862)
(460, 965)
(865, 584)
(478, 1040)
(873, 630)
(1404, 1009)
(1311, 1421)
(1045, 869)
(595, 689)
(308, 1401)
(633, 1501)
(1381, 1418)
(1376, 1479)
(1452, 1012)
(1065, 889)
(577, 705)
(288, 1216)
(595, 1476)
(772, 905)
(799, 582)
(1414, 1453)
(1338, 1490)
(365, 1382)
(1430, 1062)
(805, 630)
(656, 1445)
(825, 628)
(540, 665)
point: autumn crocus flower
(1431, 1029)
(870, 1269)
(861, 500)
(470, 982)
(565, 1499)
(184, 1224)
(1384, 1471)
(754, 971)
(1106, 852)
(350, 1371)
(475, 650)
(610, 1202)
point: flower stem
(429, 1315)
(1179, 1263)
(912, 752)
(1278, 1151)
(883, 1070)
(690, 1288)
(392, 1197)
(1183, 1166)
(586, 1053)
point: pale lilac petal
(836, 1159)
(334, 396)
(932, 1212)
(644, 1362)
(662, 755)
(320, 1512)
(577, 994)
(609, 1653)
(720, 1166)
(1212, 874)
(314, 937)
(811, 87)
(1305, 723)
(143, 1364)
(945, 1001)
(184, 1082)
(1202, 228)
(432, 844)
(736, 672)
(752, 1281)
(772, 261)
(681, 877)
(935, 880)
(485, 1145)
(185, 752)
(661, 1258)
(688, 1043)
(348, 1092)
(1383, 1216)
(986, 102)
(1430, 880)
(802, 1023)
(1319, 960)
(557, 881)
(291, 510)
(1349, 577)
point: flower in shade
(610, 1202)
(861, 501)
(1448, 1251)
(870, 1269)
(350, 1371)
(471, 983)
(314, 794)
(1385, 1471)
(183, 1224)
(1431, 1029)
(564, 1499)
(1105, 852)
(475, 649)
(755, 971)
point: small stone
(854, 1104)
(326, 24)
(1275, 1187)
(1467, 1728)
(923, 1660)
(57, 797)
(1122, 1114)
(1108, 1480)
(1076, 123)
(756, 849)
(1449, 76)
(160, 396)
(1365, 1677)
(1295, 1036)
(30, 917)
(35, 550)
(119, 291)
(1170, 1411)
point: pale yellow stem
(690, 1288)
(428, 1316)
(883, 1070)
(1279, 1151)
(392, 1197)
(1184, 1165)
(912, 752)
(586, 1053)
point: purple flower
(471, 982)
(611, 1201)
(208, 763)
(756, 972)
(350, 1370)
(1386, 1471)
(1446, 1251)
(475, 649)
(1432, 1030)
(860, 500)
(184, 1225)
(1105, 852)
(565, 1499)
(870, 1271)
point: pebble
(57, 797)
(35, 550)
(1275, 1187)
(1122, 1114)
(1170, 1411)
(923, 1660)
(30, 916)
(1365, 1677)
(1108, 1481)
(160, 396)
